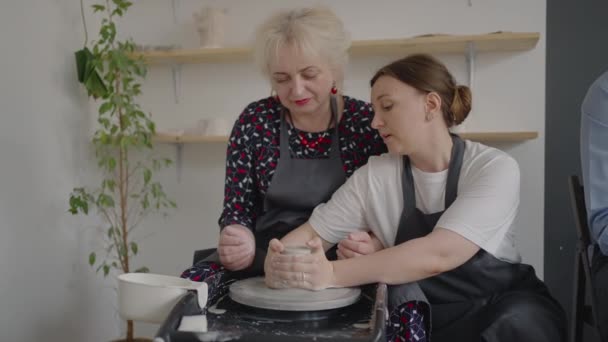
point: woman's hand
(275, 247)
(311, 272)
(236, 247)
(357, 244)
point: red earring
(275, 96)
(334, 90)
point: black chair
(582, 313)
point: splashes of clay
(361, 325)
(215, 310)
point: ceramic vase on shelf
(210, 25)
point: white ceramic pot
(218, 127)
(297, 250)
(150, 297)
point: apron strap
(407, 185)
(406, 232)
(334, 151)
(451, 187)
(284, 136)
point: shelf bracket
(470, 60)
(471, 63)
(176, 70)
(179, 147)
(174, 5)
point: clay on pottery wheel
(254, 292)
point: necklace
(312, 143)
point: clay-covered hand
(358, 244)
(236, 247)
(275, 247)
(311, 272)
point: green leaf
(122, 251)
(104, 122)
(105, 107)
(82, 58)
(137, 89)
(147, 176)
(118, 12)
(134, 247)
(126, 122)
(145, 203)
(110, 232)
(111, 164)
(106, 270)
(111, 184)
(119, 59)
(105, 200)
(151, 126)
(156, 190)
(104, 138)
(78, 202)
(98, 8)
(142, 270)
(88, 74)
(73, 205)
(92, 258)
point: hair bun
(461, 104)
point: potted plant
(122, 141)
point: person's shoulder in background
(595, 103)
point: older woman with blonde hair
(289, 152)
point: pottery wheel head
(254, 292)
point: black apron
(297, 187)
(485, 299)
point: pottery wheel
(254, 292)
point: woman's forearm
(301, 235)
(410, 261)
(395, 265)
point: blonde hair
(315, 31)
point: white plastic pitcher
(150, 297)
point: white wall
(47, 290)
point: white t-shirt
(483, 212)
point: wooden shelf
(188, 139)
(475, 136)
(498, 41)
(499, 136)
